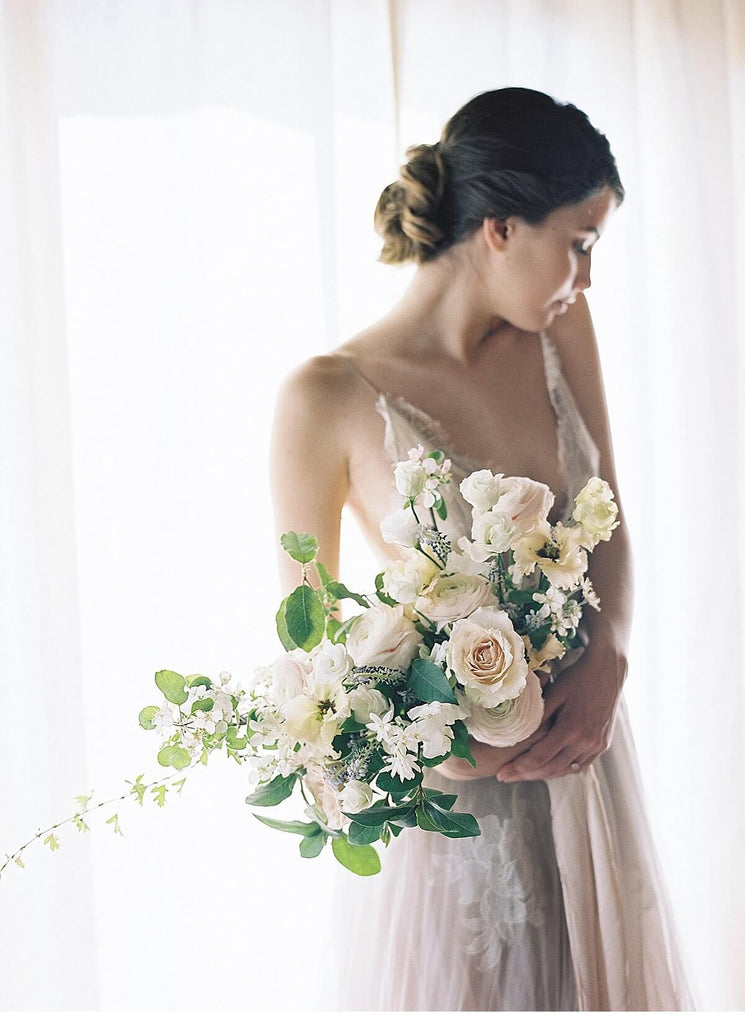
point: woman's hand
(580, 708)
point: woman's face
(544, 266)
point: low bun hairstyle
(508, 152)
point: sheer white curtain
(187, 194)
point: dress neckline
(439, 436)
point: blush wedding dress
(560, 903)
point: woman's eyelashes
(579, 248)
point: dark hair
(508, 152)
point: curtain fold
(187, 192)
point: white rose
(289, 678)
(382, 635)
(410, 477)
(400, 527)
(452, 597)
(487, 657)
(356, 796)
(527, 502)
(482, 489)
(596, 511)
(404, 578)
(366, 700)
(509, 722)
(330, 662)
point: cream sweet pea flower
(482, 489)
(453, 596)
(383, 635)
(539, 660)
(595, 511)
(410, 477)
(400, 527)
(555, 550)
(487, 657)
(431, 725)
(509, 722)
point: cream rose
(487, 657)
(452, 597)
(382, 635)
(595, 511)
(527, 502)
(509, 722)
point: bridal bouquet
(448, 646)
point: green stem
(82, 814)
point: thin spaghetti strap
(369, 383)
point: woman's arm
(309, 462)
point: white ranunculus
(382, 635)
(289, 677)
(404, 578)
(511, 721)
(330, 662)
(526, 501)
(400, 527)
(596, 511)
(452, 597)
(482, 489)
(366, 700)
(410, 477)
(431, 725)
(487, 656)
(356, 796)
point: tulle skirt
(559, 904)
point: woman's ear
(497, 232)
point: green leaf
(363, 835)
(340, 591)
(362, 860)
(199, 680)
(377, 815)
(311, 846)
(114, 820)
(302, 828)
(303, 547)
(444, 800)
(146, 716)
(397, 829)
(281, 620)
(205, 704)
(396, 786)
(437, 455)
(441, 508)
(52, 842)
(272, 793)
(84, 801)
(432, 762)
(233, 740)
(174, 756)
(460, 747)
(323, 574)
(382, 596)
(159, 794)
(172, 686)
(429, 682)
(178, 785)
(450, 823)
(81, 823)
(305, 617)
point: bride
(491, 356)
